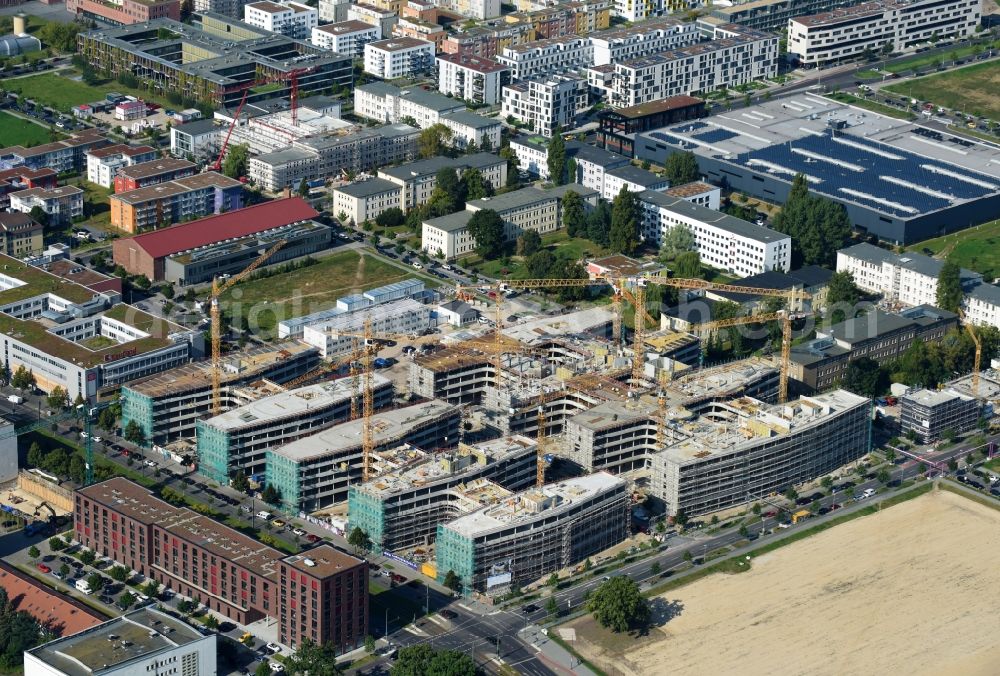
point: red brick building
(127, 12)
(150, 173)
(54, 610)
(323, 592)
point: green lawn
(918, 62)
(879, 108)
(18, 131)
(561, 245)
(97, 205)
(976, 248)
(972, 89)
(317, 287)
(60, 91)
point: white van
(81, 585)
(264, 515)
(869, 492)
(15, 399)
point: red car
(45, 569)
(312, 538)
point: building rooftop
(619, 265)
(139, 634)
(322, 561)
(690, 189)
(198, 127)
(388, 426)
(919, 263)
(476, 63)
(471, 119)
(352, 26)
(658, 106)
(57, 612)
(932, 398)
(131, 499)
(119, 149)
(525, 197)
(166, 165)
(451, 222)
(721, 220)
(535, 503)
(637, 175)
(177, 186)
(848, 14)
(368, 188)
(399, 44)
(561, 326)
(430, 166)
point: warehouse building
(237, 440)
(146, 254)
(899, 181)
(230, 55)
(743, 450)
(402, 509)
(168, 406)
(317, 471)
(937, 414)
(533, 533)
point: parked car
(45, 569)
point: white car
(277, 667)
(298, 531)
(418, 266)
(273, 648)
(84, 435)
(97, 440)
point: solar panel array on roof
(715, 135)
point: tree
(119, 573)
(88, 557)
(862, 376)
(303, 187)
(57, 399)
(359, 539)
(528, 243)
(391, 217)
(39, 215)
(23, 379)
(64, 570)
(688, 265)
(826, 482)
(57, 544)
(369, 644)
(655, 568)
(890, 456)
(452, 581)
(126, 600)
(271, 495)
(841, 291)
(573, 215)
(625, 218)
(688, 557)
(33, 552)
(883, 476)
(235, 163)
(677, 240)
(35, 455)
(552, 607)
(791, 494)
(476, 187)
(263, 669)
(949, 287)
(818, 226)
(553, 580)
(486, 229)
(448, 195)
(618, 605)
(557, 157)
(134, 433)
(423, 660)
(681, 168)
(433, 140)
(151, 589)
(96, 581)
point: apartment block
(546, 104)
(346, 37)
(930, 413)
(174, 201)
(62, 204)
(487, 41)
(199, 139)
(722, 241)
(908, 278)
(770, 15)
(230, 8)
(68, 155)
(291, 19)
(20, 234)
(419, 29)
(982, 305)
(474, 9)
(366, 200)
(318, 470)
(103, 163)
(125, 12)
(22, 178)
(539, 531)
(847, 32)
(472, 78)
(401, 509)
(542, 58)
(134, 176)
(418, 179)
(591, 162)
(633, 179)
(399, 57)
(648, 37)
(385, 19)
(333, 11)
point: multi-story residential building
(735, 56)
(723, 241)
(68, 155)
(315, 157)
(401, 509)
(591, 162)
(908, 278)
(131, 177)
(291, 19)
(420, 29)
(619, 127)
(759, 449)
(417, 180)
(22, 178)
(648, 37)
(474, 9)
(232, 55)
(385, 19)
(822, 362)
(346, 37)
(20, 234)
(487, 42)
(236, 441)
(232, 574)
(930, 413)
(471, 78)
(399, 57)
(104, 163)
(337, 336)
(366, 200)
(472, 131)
(125, 12)
(698, 192)
(769, 15)
(546, 104)
(318, 470)
(62, 204)
(525, 209)
(870, 26)
(333, 11)
(633, 179)
(542, 58)
(539, 531)
(231, 8)
(199, 139)
(175, 201)
(982, 305)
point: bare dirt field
(912, 590)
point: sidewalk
(551, 653)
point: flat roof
(131, 499)
(721, 220)
(368, 187)
(198, 127)
(561, 326)
(917, 262)
(636, 175)
(690, 189)
(139, 634)
(165, 165)
(934, 397)
(399, 44)
(528, 196)
(350, 26)
(476, 63)
(431, 165)
(658, 106)
(471, 119)
(323, 561)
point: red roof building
(57, 612)
(144, 254)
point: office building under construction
(400, 510)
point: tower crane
(540, 448)
(979, 352)
(218, 290)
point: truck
(15, 399)
(801, 514)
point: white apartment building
(62, 204)
(104, 163)
(471, 78)
(346, 37)
(385, 19)
(545, 104)
(365, 200)
(333, 11)
(739, 56)
(418, 179)
(722, 241)
(909, 278)
(399, 57)
(982, 305)
(474, 9)
(848, 31)
(591, 162)
(632, 178)
(698, 192)
(288, 18)
(649, 37)
(542, 58)
(639, 10)
(468, 127)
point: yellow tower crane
(979, 352)
(540, 448)
(218, 290)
